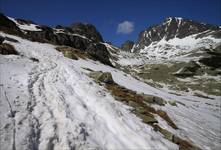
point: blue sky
(106, 15)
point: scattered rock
(154, 99)
(104, 77)
(34, 59)
(1, 39)
(148, 119)
(168, 135)
(183, 144)
(11, 39)
(172, 103)
(165, 116)
(7, 49)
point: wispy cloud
(125, 27)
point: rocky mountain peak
(87, 30)
(174, 27)
(127, 45)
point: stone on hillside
(168, 135)
(172, 103)
(154, 99)
(104, 77)
(133, 104)
(1, 39)
(69, 54)
(148, 118)
(7, 49)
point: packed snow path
(52, 104)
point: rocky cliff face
(87, 30)
(174, 27)
(79, 36)
(127, 46)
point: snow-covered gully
(57, 106)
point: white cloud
(125, 27)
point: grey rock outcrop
(127, 46)
(99, 52)
(87, 30)
(84, 37)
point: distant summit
(175, 27)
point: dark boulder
(11, 39)
(7, 49)
(1, 39)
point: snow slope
(53, 104)
(176, 48)
(29, 27)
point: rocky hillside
(178, 54)
(84, 37)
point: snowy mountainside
(178, 54)
(49, 101)
(173, 28)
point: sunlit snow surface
(30, 27)
(55, 105)
(176, 48)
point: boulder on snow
(7, 49)
(172, 103)
(148, 118)
(104, 77)
(1, 39)
(154, 99)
